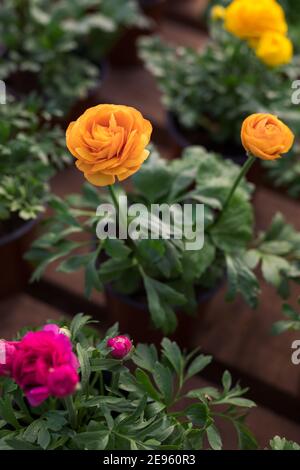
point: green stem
(101, 383)
(122, 217)
(244, 170)
(114, 197)
(69, 404)
(115, 382)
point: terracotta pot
(15, 270)
(124, 53)
(184, 138)
(134, 318)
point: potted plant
(110, 405)
(291, 321)
(39, 47)
(29, 153)
(143, 271)
(285, 174)
(103, 28)
(243, 69)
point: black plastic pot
(229, 150)
(134, 318)
(15, 270)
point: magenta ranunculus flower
(44, 364)
(7, 352)
(120, 345)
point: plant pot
(22, 83)
(153, 8)
(124, 53)
(183, 138)
(134, 318)
(13, 245)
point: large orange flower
(109, 142)
(266, 137)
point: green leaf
(214, 438)
(145, 383)
(172, 352)
(278, 443)
(92, 277)
(164, 381)
(78, 322)
(242, 280)
(44, 437)
(199, 414)
(7, 412)
(153, 181)
(74, 263)
(160, 297)
(18, 444)
(226, 381)
(112, 269)
(145, 356)
(92, 440)
(116, 249)
(273, 267)
(234, 230)
(44, 257)
(198, 364)
(246, 439)
(195, 263)
(85, 367)
(113, 365)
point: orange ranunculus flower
(109, 141)
(266, 137)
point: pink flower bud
(120, 345)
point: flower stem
(244, 170)
(122, 216)
(114, 197)
(69, 404)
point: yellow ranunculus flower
(217, 13)
(248, 19)
(274, 49)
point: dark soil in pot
(133, 316)
(16, 237)
(229, 150)
(124, 53)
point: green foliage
(29, 153)
(278, 443)
(168, 273)
(285, 172)
(46, 40)
(291, 324)
(216, 88)
(278, 252)
(142, 406)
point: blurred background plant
(209, 92)
(41, 41)
(292, 322)
(30, 153)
